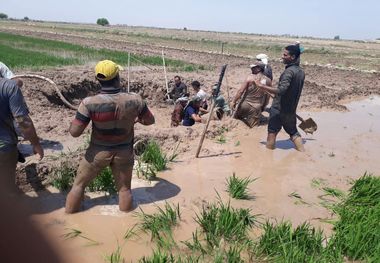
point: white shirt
(202, 94)
(5, 72)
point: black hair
(294, 50)
(110, 83)
(196, 83)
(178, 77)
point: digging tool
(308, 126)
(223, 70)
(169, 100)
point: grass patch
(160, 224)
(104, 182)
(221, 221)
(238, 188)
(64, 172)
(153, 155)
(282, 243)
(74, 233)
(357, 232)
(24, 52)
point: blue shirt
(12, 105)
(187, 120)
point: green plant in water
(238, 188)
(115, 256)
(74, 233)
(282, 243)
(160, 224)
(154, 156)
(221, 139)
(221, 221)
(104, 182)
(64, 173)
(357, 232)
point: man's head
(196, 101)
(107, 73)
(257, 67)
(196, 85)
(263, 58)
(177, 80)
(291, 53)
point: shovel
(308, 126)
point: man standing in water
(287, 95)
(113, 115)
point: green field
(27, 52)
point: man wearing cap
(191, 114)
(287, 95)
(254, 100)
(268, 69)
(113, 115)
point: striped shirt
(113, 117)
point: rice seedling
(159, 257)
(145, 170)
(282, 243)
(221, 139)
(238, 188)
(115, 256)
(334, 192)
(104, 182)
(160, 224)
(237, 143)
(230, 255)
(317, 182)
(298, 197)
(130, 233)
(64, 173)
(154, 155)
(221, 221)
(357, 231)
(74, 233)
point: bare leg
(86, 172)
(123, 179)
(271, 141)
(297, 140)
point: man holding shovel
(287, 94)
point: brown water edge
(344, 147)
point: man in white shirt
(6, 73)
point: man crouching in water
(113, 115)
(287, 95)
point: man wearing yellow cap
(113, 115)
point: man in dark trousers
(287, 94)
(13, 110)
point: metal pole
(129, 64)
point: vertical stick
(129, 64)
(166, 77)
(211, 110)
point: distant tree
(3, 16)
(337, 37)
(26, 18)
(185, 28)
(102, 21)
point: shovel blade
(308, 126)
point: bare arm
(76, 128)
(240, 92)
(196, 117)
(146, 118)
(26, 126)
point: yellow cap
(107, 70)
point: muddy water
(344, 147)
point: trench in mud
(344, 147)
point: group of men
(113, 114)
(251, 99)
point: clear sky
(319, 18)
